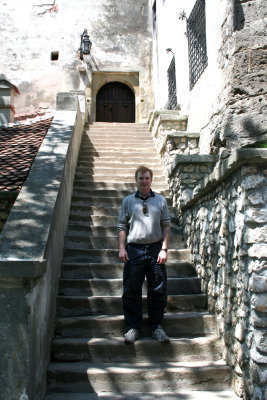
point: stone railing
(179, 153)
(185, 173)
(225, 228)
(31, 249)
(168, 129)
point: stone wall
(221, 202)
(225, 228)
(240, 115)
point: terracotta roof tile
(19, 145)
(23, 117)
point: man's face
(143, 182)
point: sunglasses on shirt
(145, 208)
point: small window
(154, 9)
(54, 55)
(172, 96)
(197, 49)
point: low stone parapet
(31, 248)
(185, 173)
(225, 219)
(168, 129)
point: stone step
(180, 324)
(98, 242)
(130, 154)
(115, 138)
(189, 394)
(161, 188)
(83, 376)
(102, 194)
(113, 287)
(84, 210)
(104, 221)
(115, 270)
(116, 129)
(119, 170)
(127, 178)
(111, 255)
(87, 210)
(115, 145)
(84, 199)
(115, 351)
(77, 306)
(154, 160)
(93, 220)
(122, 149)
(76, 230)
(111, 231)
(116, 126)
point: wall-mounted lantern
(169, 50)
(86, 44)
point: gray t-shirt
(143, 228)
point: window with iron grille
(172, 97)
(154, 10)
(197, 49)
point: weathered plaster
(120, 33)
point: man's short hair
(143, 170)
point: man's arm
(123, 256)
(162, 257)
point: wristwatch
(164, 250)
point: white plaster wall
(31, 29)
(201, 102)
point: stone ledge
(177, 135)
(165, 116)
(22, 268)
(68, 101)
(32, 214)
(224, 168)
(191, 159)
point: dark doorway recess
(115, 102)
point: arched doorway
(115, 102)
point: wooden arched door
(115, 102)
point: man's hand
(162, 257)
(123, 256)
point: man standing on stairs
(144, 231)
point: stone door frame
(100, 78)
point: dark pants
(143, 263)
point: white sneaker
(160, 335)
(131, 336)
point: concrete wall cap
(22, 268)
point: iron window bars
(172, 97)
(197, 49)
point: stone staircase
(89, 358)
